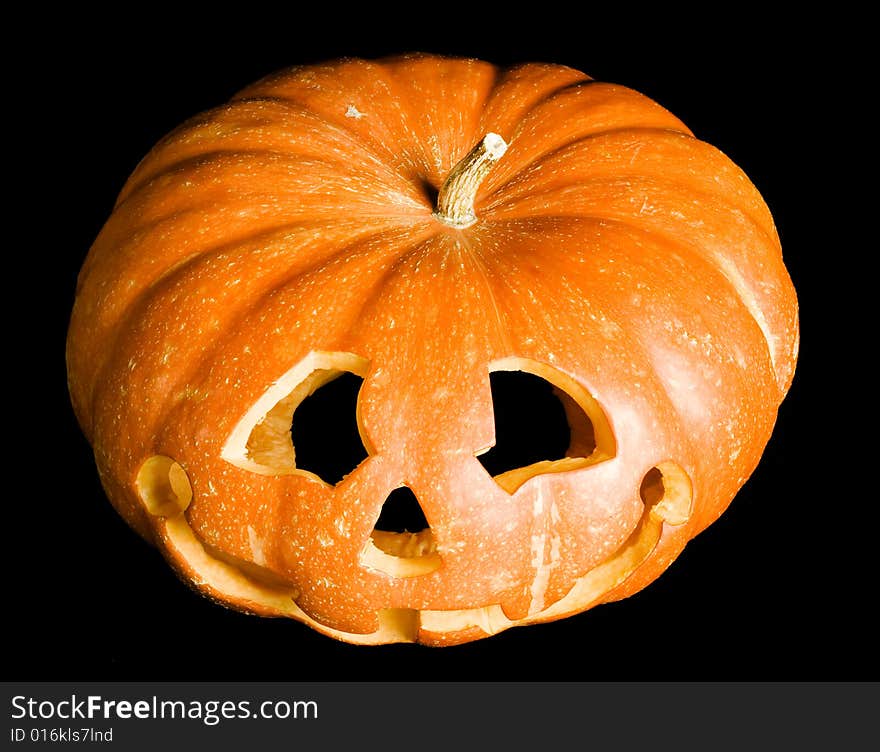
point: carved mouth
(666, 492)
(668, 495)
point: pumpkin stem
(455, 202)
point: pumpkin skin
(293, 232)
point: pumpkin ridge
(603, 313)
(113, 329)
(688, 244)
(112, 326)
(524, 171)
(507, 76)
(355, 137)
(638, 338)
(399, 70)
(235, 326)
(336, 126)
(588, 83)
(744, 292)
(108, 249)
(287, 126)
(593, 113)
(472, 251)
(574, 187)
(216, 157)
(296, 168)
(631, 220)
(731, 272)
(390, 84)
(207, 351)
(776, 342)
(763, 224)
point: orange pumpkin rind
(294, 234)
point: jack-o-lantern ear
(545, 422)
(306, 422)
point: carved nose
(402, 543)
(402, 513)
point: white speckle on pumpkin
(609, 329)
(354, 112)
(324, 540)
(539, 546)
(256, 544)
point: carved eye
(306, 423)
(545, 422)
(324, 429)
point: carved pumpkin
(427, 224)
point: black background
(776, 589)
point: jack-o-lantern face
(363, 580)
(628, 269)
